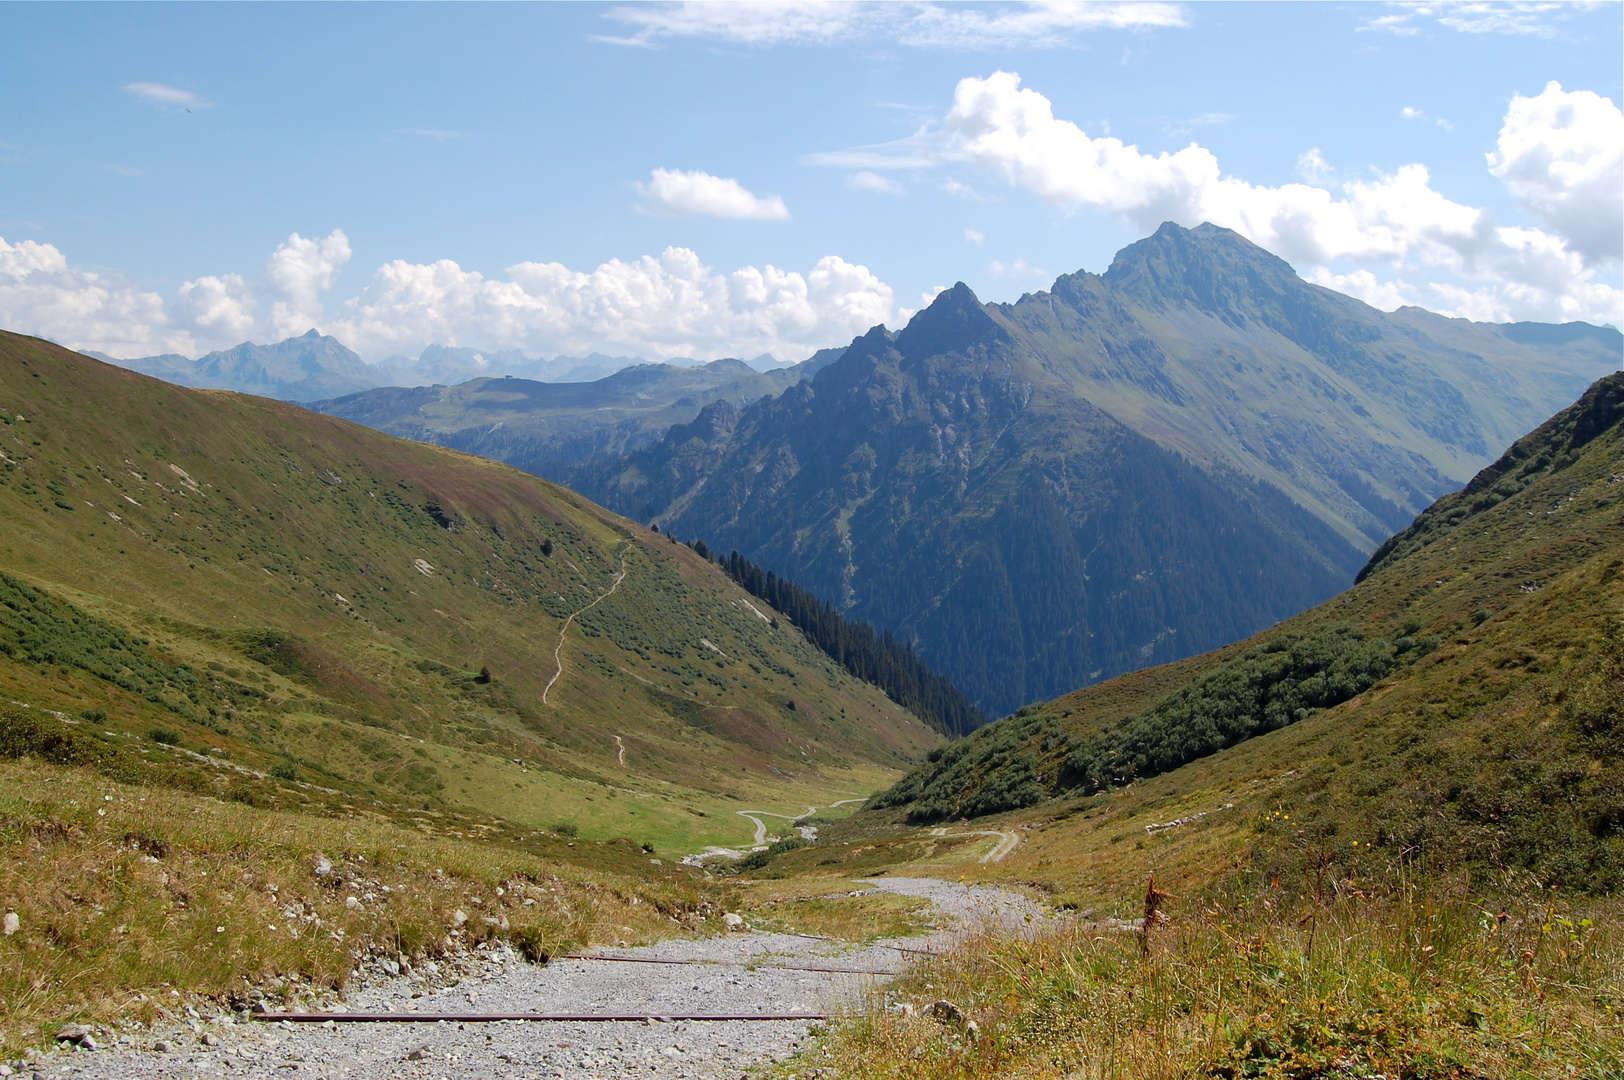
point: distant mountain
(555, 429)
(1124, 470)
(444, 365)
(313, 367)
(298, 369)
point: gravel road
(739, 973)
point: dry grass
(1410, 986)
(124, 894)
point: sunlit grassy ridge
(333, 607)
(1470, 719)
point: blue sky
(671, 180)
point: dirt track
(744, 973)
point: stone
(352, 903)
(163, 1046)
(210, 1039)
(77, 1035)
(10, 924)
(421, 1053)
(323, 867)
(733, 921)
(458, 918)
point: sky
(689, 180)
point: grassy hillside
(244, 585)
(1385, 838)
(1459, 708)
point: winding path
(1007, 842)
(558, 653)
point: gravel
(738, 973)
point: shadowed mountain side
(1024, 540)
(1459, 707)
(1127, 469)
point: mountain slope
(1462, 705)
(1128, 469)
(306, 597)
(552, 429)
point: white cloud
(297, 273)
(1397, 219)
(675, 193)
(41, 294)
(1363, 285)
(670, 306)
(168, 97)
(871, 181)
(1017, 269)
(656, 307)
(973, 236)
(1409, 112)
(1207, 119)
(1562, 156)
(1045, 24)
(221, 308)
(1312, 166)
(1536, 18)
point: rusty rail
(493, 1018)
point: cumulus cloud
(220, 309)
(1555, 152)
(973, 236)
(1562, 156)
(675, 193)
(664, 307)
(41, 294)
(1043, 24)
(167, 97)
(1364, 285)
(297, 273)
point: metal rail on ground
(724, 963)
(494, 1018)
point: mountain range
(555, 429)
(1123, 470)
(315, 366)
